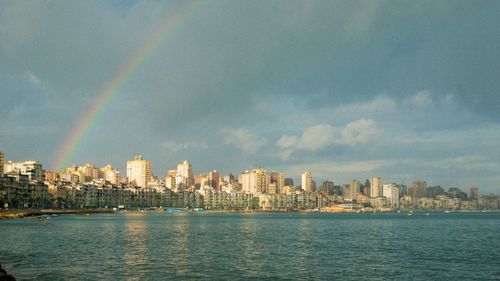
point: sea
(253, 246)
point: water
(269, 246)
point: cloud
(358, 132)
(32, 78)
(244, 140)
(322, 136)
(175, 147)
(420, 98)
(314, 138)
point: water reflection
(303, 243)
(251, 258)
(135, 251)
(181, 254)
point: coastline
(15, 214)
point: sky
(404, 90)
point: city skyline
(405, 91)
(138, 173)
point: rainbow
(74, 140)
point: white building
(33, 169)
(184, 174)
(255, 181)
(110, 174)
(307, 182)
(391, 192)
(376, 185)
(139, 171)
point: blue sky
(406, 90)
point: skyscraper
(139, 171)
(185, 174)
(391, 192)
(279, 179)
(355, 188)
(307, 182)
(376, 184)
(473, 193)
(418, 189)
(110, 174)
(255, 181)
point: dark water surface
(270, 246)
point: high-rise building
(434, 191)
(473, 193)
(307, 182)
(418, 189)
(139, 171)
(391, 192)
(50, 176)
(2, 159)
(278, 179)
(33, 169)
(214, 179)
(355, 188)
(255, 181)
(327, 188)
(185, 174)
(89, 172)
(110, 174)
(376, 185)
(170, 182)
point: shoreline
(15, 214)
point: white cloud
(358, 132)
(32, 78)
(371, 108)
(420, 98)
(244, 140)
(174, 147)
(322, 136)
(314, 138)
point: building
(255, 181)
(376, 187)
(110, 174)
(355, 188)
(33, 169)
(434, 191)
(278, 179)
(418, 189)
(391, 193)
(50, 176)
(455, 192)
(327, 188)
(139, 171)
(213, 179)
(473, 193)
(89, 172)
(170, 182)
(184, 174)
(307, 182)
